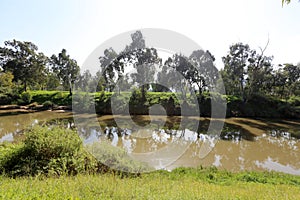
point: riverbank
(182, 183)
(101, 102)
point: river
(243, 144)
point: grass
(156, 185)
(57, 97)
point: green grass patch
(157, 185)
(57, 97)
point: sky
(80, 26)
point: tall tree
(25, 63)
(66, 69)
(144, 61)
(247, 72)
(205, 73)
(235, 68)
(185, 73)
(138, 42)
(111, 67)
(259, 72)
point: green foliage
(294, 100)
(136, 96)
(24, 62)
(47, 150)
(56, 97)
(6, 82)
(66, 69)
(26, 98)
(115, 158)
(48, 104)
(120, 102)
(286, 1)
(83, 102)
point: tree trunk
(143, 93)
(70, 92)
(25, 87)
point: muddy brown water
(243, 144)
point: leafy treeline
(246, 73)
(23, 67)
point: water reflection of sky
(265, 152)
(8, 138)
(275, 148)
(270, 164)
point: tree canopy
(246, 73)
(24, 62)
(66, 69)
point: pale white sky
(80, 26)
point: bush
(51, 151)
(48, 104)
(26, 97)
(4, 99)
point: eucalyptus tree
(24, 62)
(66, 69)
(205, 74)
(235, 68)
(247, 72)
(260, 72)
(145, 62)
(136, 56)
(183, 72)
(111, 68)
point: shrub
(4, 99)
(26, 97)
(48, 104)
(52, 151)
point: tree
(6, 82)
(66, 69)
(84, 81)
(112, 67)
(144, 61)
(184, 72)
(259, 72)
(292, 73)
(135, 55)
(280, 77)
(52, 81)
(24, 62)
(286, 1)
(247, 72)
(235, 68)
(166, 80)
(205, 74)
(138, 42)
